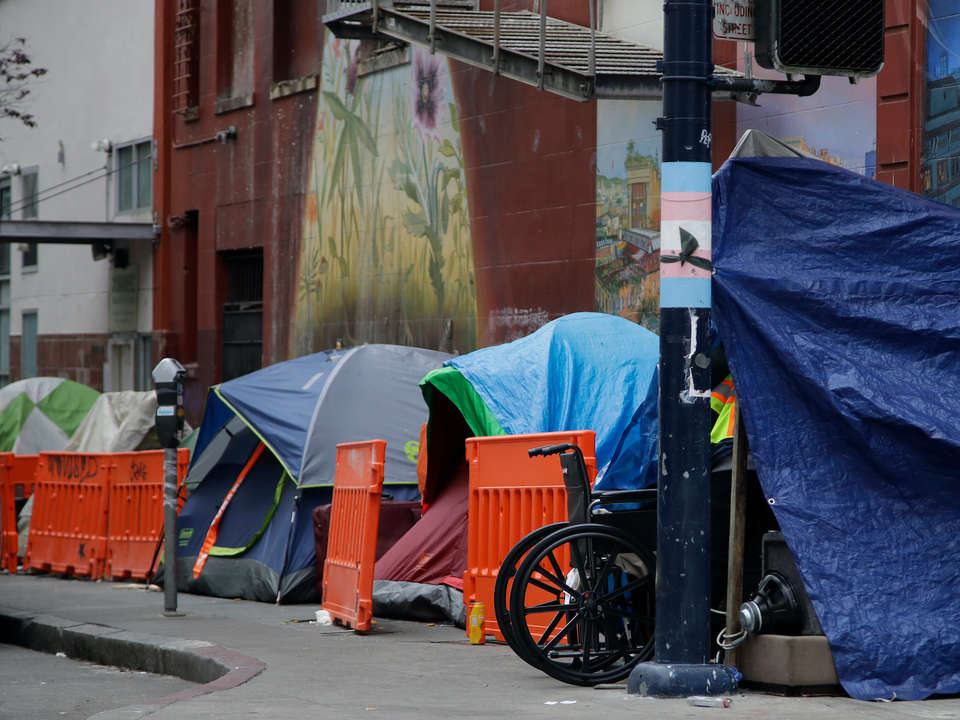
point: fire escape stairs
(571, 60)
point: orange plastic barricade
(68, 528)
(352, 541)
(16, 483)
(510, 496)
(135, 512)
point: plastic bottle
(709, 701)
(475, 624)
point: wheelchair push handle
(551, 449)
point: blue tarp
(581, 371)
(838, 300)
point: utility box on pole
(820, 37)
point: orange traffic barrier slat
(68, 528)
(511, 495)
(16, 483)
(352, 541)
(135, 511)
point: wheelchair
(576, 599)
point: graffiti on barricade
(138, 471)
(73, 467)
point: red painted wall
(245, 193)
(900, 95)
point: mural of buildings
(628, 211)
(838, 124)
(940, 159)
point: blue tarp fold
(838, 300)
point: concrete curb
(213, 667)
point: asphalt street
(45, 686)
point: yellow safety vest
(723, 401)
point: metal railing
(336, 6)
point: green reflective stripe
(460, 392)
(254, 431)
(218, 551)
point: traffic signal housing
(820, 37)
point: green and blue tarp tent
(42, 413)
(298, 411)
(583, 371)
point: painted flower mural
(427, 92)
(386, 255)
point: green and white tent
(42, 413)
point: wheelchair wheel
(508, 569)
(582, 604)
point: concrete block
(787, 660)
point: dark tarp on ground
(837, 300)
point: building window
(28, 345)
(29, 212)
(134, 177)
(6, 198)
(235, 53)
(638, 205)
(296, 39)
(5, 201)
(144, 379)
(242, 313)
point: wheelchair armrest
(617, 497)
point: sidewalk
(280, 665)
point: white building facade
(85, 168)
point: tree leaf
(337, 165)
(669, 259)
(337, 107)
(411, 190)
(454, 117)
(447, 149)
(415, 223)
(357, 163)
(366, 137)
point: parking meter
(168, 376)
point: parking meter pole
(682, 634)
(170, 531)
(168, 378)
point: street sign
(733, 19)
